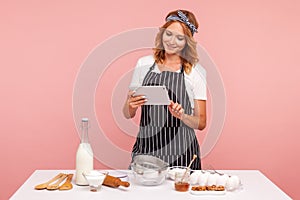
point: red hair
(189, 56)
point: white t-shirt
(195, 81)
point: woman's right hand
(132, 103)
(135, 101)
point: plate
(207, 192)
(119, 174)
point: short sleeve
(142, 67)
(199, 83)
(135, 81)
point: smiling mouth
(171, 47)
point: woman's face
(173, 38)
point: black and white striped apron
(161, 134)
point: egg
(222, 179)
(194, 178)
(232, 183)
(236, 181)
(203, 178)
(229, 184)
(212, 179)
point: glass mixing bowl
(149, 170)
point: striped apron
(162, 135)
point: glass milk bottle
(84, 156)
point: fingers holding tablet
(136, 100)
(155, 95)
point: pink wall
(254, 43)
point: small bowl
(182, 181)
(176, 169)
(94, 179)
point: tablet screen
(156, 95)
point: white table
(255, 186)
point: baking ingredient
(232, 183)
(84, 155)
(181, 181)
(212, 179)
(222, 179)
(84, 162)
(203, 178)
(94, 179)
(208, 188)
(207, 179)
(194, 178)
(182, 186)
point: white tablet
(156, 95)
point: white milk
(84, 162)
(95, 178)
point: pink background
(255, 45)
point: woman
(167, 132)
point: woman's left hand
(176, 110)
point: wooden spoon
(194, 157)
(55, 186)
(67, 185)
(44, 185)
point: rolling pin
(112, 181)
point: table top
(254, 186)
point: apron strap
(152, 67)
(182, 70)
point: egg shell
(232, 183)
(236, 181)
(194, 178)
(203, 178)
(212, 179)
(222, 179)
